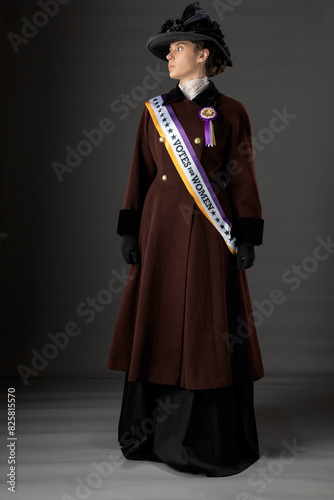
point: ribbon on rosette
(208, 114)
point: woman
(185, 335)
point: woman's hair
(216, 62)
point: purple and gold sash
(189, 167)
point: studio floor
(67, 447)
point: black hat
(191, 26)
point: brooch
(208, 114)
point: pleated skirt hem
(211, 432)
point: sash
(189, 167)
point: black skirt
(211, 432)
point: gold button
(197, 140)
(164, 177)
(162, 139)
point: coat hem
(174, 381)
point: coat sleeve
(241, 181)
(142, 173)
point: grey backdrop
(58, 239)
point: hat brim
(159, 44)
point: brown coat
(185, 317)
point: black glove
(130, 250)
(245, 256)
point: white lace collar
(193, 87)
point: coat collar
(207, 97)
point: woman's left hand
(245, 256)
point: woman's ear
(204, 55)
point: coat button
(164, 177)
(197, 140)
(162, 139)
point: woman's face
(184, 62)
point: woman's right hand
(130, 250)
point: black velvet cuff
(128, 222)
(249, 229)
